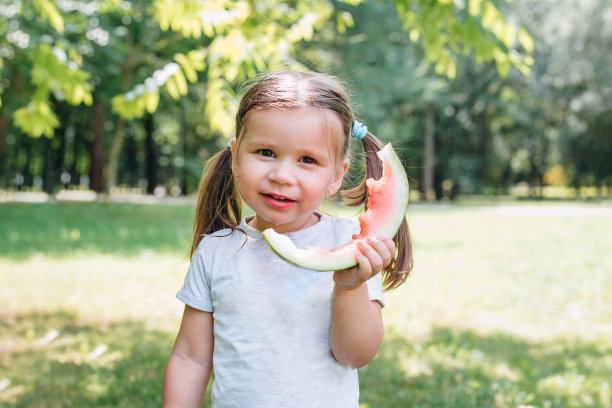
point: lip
(277, 203)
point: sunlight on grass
(65, 228)
(92, 331)
(504, 308)
(97, 288)
(500, 311)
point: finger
(381, 247)
(389, 244)
(365, 266)
(373, 257)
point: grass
(503, 309)
(63, 229)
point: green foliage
(52, 72)
(173, 76)
(448, 29)
(245, 39)
(36, 119)
(166, 58)
(49, 12)
(194, 19)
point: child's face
(285, 162)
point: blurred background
(501, 112)
(480, 97)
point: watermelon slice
(387, 203)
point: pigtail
(397, 271)
(219, 205)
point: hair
(219, 203)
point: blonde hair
(219, 203)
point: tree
(33, 41)
(407, 87)
(127, 57)
(565, 105)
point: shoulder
(343, 224)
(339, 231)
(220, 240)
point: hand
(374, 254)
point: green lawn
(506, 307)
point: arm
(356, 323)
(190, 363)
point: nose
(282, 173)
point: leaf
(221, 114)
(197, 57)
(526, 40)
(475, 7)
(172, 88)
(36, 119)
(187, 67)
(49, 12)
(52, 71)
(181, 83)
(502, 63)
(344, 20)
(152, 100)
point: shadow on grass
(463, 369)
(120, 364)
(63, 228)
(88, 364)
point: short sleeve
(375, 289)
(196, 289)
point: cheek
(248, 177)
(245, 190)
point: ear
(334, 186)
(233, 152)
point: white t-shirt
(272, 319)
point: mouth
(278, 201)
(280, 198)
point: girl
(278, 335)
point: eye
(266, 152)
(308, 160)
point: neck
(257, 223)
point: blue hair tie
(359, 131)
(229, 144)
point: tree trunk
(2, 133)
(150, 159)
(96, 181)
(113, 155)
(181, 152)
(28, 177)
(74, 174)
(4, 168)
(429, 156)
(48, 161)
(481, 149)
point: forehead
(315, 127)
